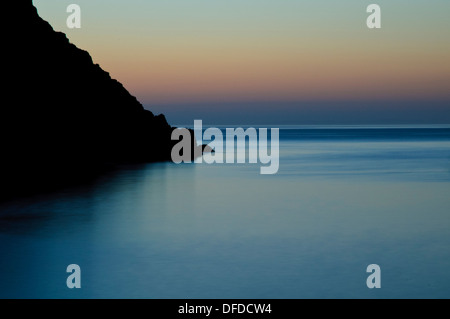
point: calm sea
(343, 198)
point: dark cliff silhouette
(62, 117)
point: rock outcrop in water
(62, 117)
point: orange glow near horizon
(244, 72)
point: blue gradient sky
(271, 62)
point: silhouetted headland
(63, 118)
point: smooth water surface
(343, 198)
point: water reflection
(224, 231)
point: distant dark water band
(369, 134)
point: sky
(271, 61)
